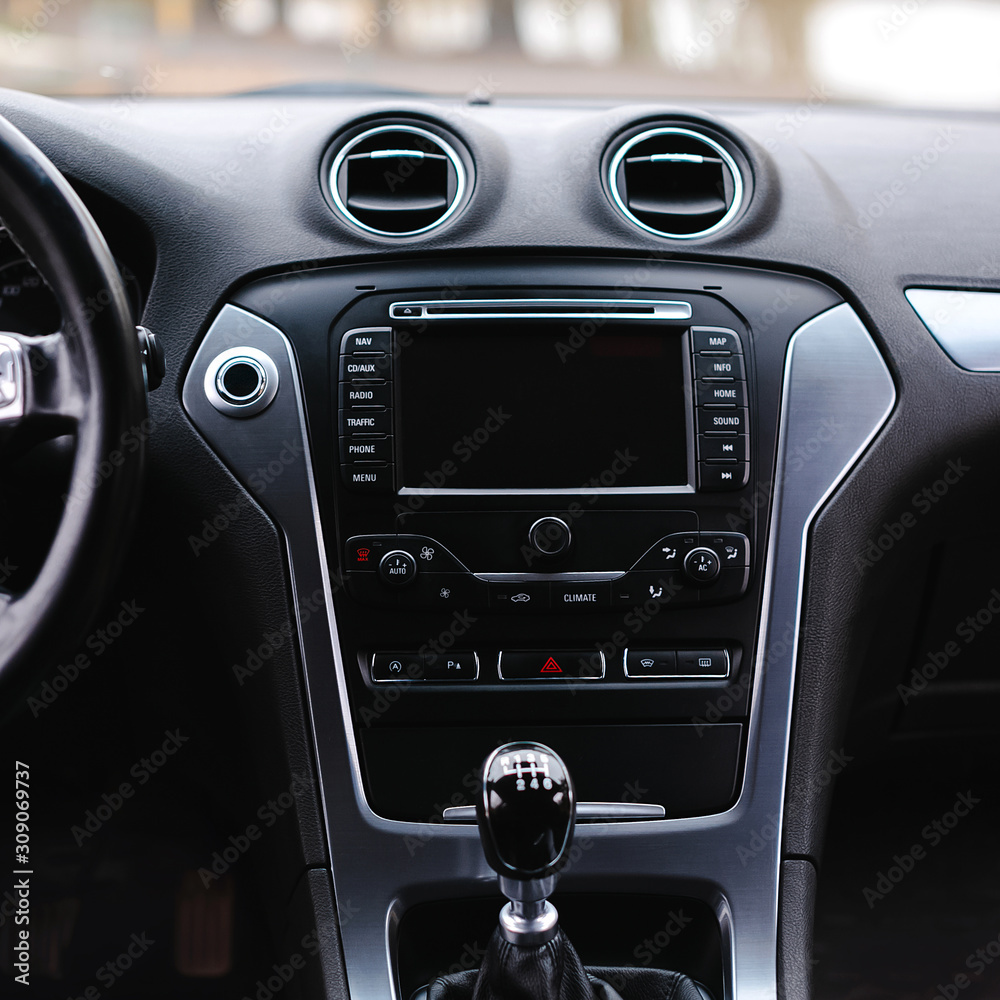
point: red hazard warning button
(534, 665)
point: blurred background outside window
(941, 53)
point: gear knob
(526, 814)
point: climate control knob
(397, 568)
(550, 536)
(702, 566)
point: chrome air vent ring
(694, 206)
(397, 179)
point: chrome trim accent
(687, 133)
(380, 867)
(563, 681)
(966, 325)
(426, 680)
(573, 491)
(677, 677)
(586, 812)
(529, 924)
(12, 379)
(662, 309)
(460, 178)
(265, 394)
(607, 576)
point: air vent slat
(397, 180)
(676, 182)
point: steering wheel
(85, 381)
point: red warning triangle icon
(550, 667)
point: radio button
(365, 366)
(373, 341)
(723, 476)
(519, 597)
(365, 449)
(716, 339)
(366, 421)
(355, 394)
(722, 421)
(716, 366)
(715, 448)
(721, 393)
(371, 478)
(551, 665)
(580, 596)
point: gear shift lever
(526, 815)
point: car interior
(467, 543)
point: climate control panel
(418, 572)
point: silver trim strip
(381, 867)
(575, 491)
(688, 134)
(966, 325)
(587, 577)
(586, 812)
(456, 162)
(659, 309)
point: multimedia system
(546, 396)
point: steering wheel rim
(92, 369)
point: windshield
(916, 52)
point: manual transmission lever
(526, 815)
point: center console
(553, 501)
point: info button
(581, 596)
(551, 665)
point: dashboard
(559, 422)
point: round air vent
(397, 180)
(676, 182)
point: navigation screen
(542, 406)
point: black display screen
(542, 406)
